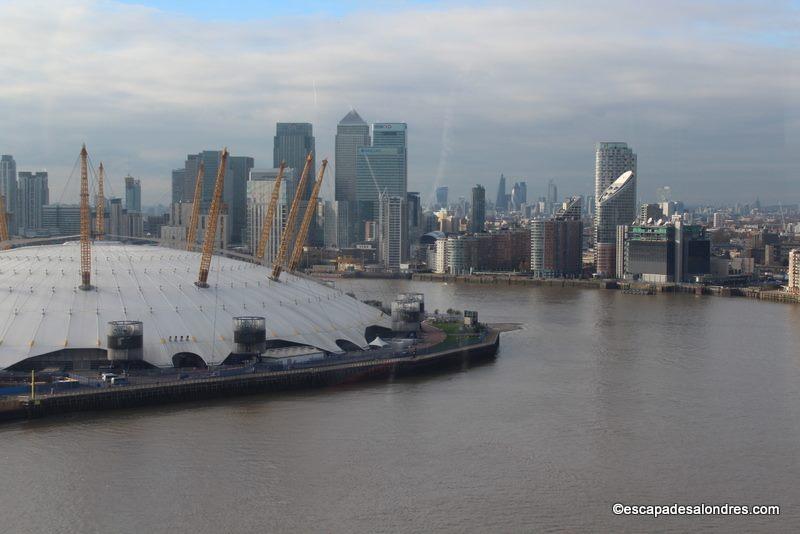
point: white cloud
(706, 93)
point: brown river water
(600, 398)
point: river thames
(600, 398)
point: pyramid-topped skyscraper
(352, 133)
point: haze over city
(707, 94)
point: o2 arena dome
(144, 300)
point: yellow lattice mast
(100, 202)
(191, 233)
(86, 247)
(266, 228)
(297, 253)
(277, 265)
(3, 224)
(211, 221)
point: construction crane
(86, 249)
(100, 202)
(294, 261)
(277, 265)
(211, 221)
(3, 225)
(266, 228)
(191, 233)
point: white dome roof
(43, 311)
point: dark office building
(663, 253)
(477, 215)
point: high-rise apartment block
(615, 194)
(392, 231)
(612, 160)
(33, 192)
(557, 243)
(794, 271)
(8, 188)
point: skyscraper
(133, 194)
(178, 180)
(352, 133)
(210, 159)
(234, 192)
(8, 188)
(414, 221)
(501, 204)
(392, 230)
(552, 195)
(378, 170)
(33, 192)
(236, 195)
(441, 196)
(381, 169)
(477, 215)
(612, 160)
(293, 141)
(615, 206)
(519, 195)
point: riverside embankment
(448, 353)
(696, 289)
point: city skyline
(534, 126)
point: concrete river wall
(257, 382)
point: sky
(706, 93)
